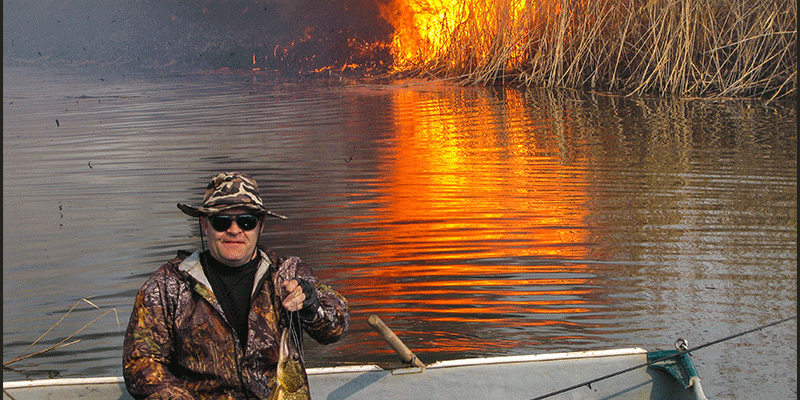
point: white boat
(605, 374)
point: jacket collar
(191, 266)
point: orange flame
(428, 31)
(421, 26)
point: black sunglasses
(221, 223)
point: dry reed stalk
(689, 48)
(62, 343)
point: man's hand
(294, 300)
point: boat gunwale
(466, 362)
(100, 380)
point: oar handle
(394, 342)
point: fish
(291, 379)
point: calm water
(474, 221)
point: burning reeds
(709, 48)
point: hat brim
(201, 211)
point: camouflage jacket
(178, 344)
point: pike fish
(291, 378)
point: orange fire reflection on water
(457, 236)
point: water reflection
(471, 198)
(474, 221)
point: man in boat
(206, 325)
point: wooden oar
(395, 343)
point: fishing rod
(680, 352)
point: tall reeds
(703, 48)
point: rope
(681, 352)
(296, 331)
(295, 328)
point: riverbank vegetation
(688, 48)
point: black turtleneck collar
(232, 287)
(219, 267)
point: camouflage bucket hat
(229, 190)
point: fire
(454, 33)
(421, 27)
(442, 37)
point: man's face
(234, 246)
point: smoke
(288, 35)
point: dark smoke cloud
(288, 35)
